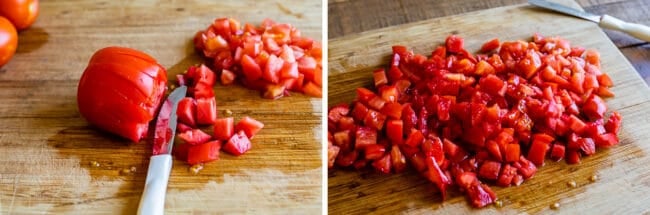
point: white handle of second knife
(637, 30)
(152, 201)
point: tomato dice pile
(200, 109)
(470, 120)
(273, 58)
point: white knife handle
(637, 30)
(152, 201)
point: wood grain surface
(46, 148)
(623, 175)
(353, 16)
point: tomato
(203, 153)
(273, 58)
(186, 111)
(194, 137)
(252, 70)
(8, 41)
(206, 111)
(374, 151)
(238, 144)
(224, 128)
(491, 117)
(490, 170)
(490, 45)
(22, 13)
(249, 126)
(120, 90)
(332, 153)
(227, 77)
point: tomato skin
(8, 41)
(120, 91)
(204, 153)
(22, 13)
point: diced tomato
(415, 139)
(437, 176)
(490, 170)
(206, 111)
(238, 144)
(394, 131)
(454, 44)
(542, 96)
(224, 128)
(380, 77)
(312, 89)
(557, 152)
(249, 126)
(374, 151)
(507, 174)
(186, 111)
(251, 69)
(365, 136)
(384, 164)
(398, 159)
(332, 153)
(194, 137)
(203, 153)
(227, 77)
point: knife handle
(152, 201)
(637, 30)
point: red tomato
(273, 58)
(238, 144)
(194, 137)
(465, 116)
(203, 153)
(249, 126)
(22, 13)
(8, 41)
(206, 111)
(120, 91)
(186, 111)
(224, 128)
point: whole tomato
(8, 41)
(22, 13)
(121, 90)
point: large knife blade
(605, 21)
(160, 165)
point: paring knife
(155, 188)
(605, 21)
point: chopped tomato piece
(224, 128)
(203, 153)
(194, 137)
(249, 126)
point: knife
(605, 21)
(160, 165)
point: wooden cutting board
(623, 172)
(46, 148)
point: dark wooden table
(352, 16)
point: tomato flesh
(203, 153)
(271, 54)
(238, 144)
(465, 119)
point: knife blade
(155, 188)
(605, 21)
